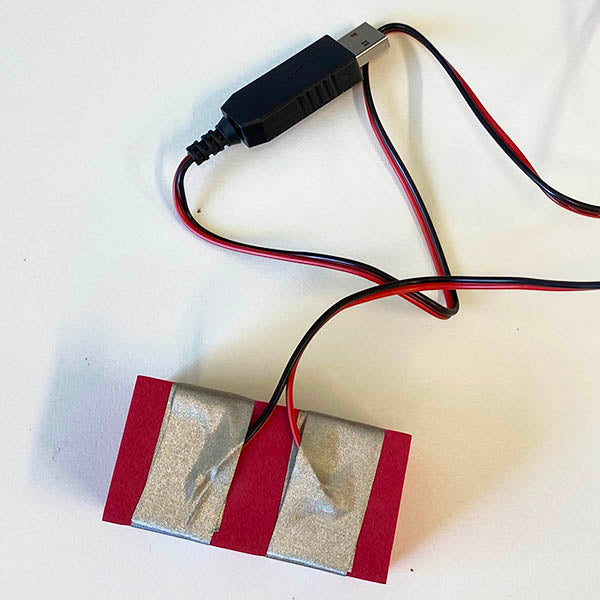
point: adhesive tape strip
(326, 491)
(199, 444)
(326, 496)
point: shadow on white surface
(563, 91)
(446, 480)
(462, 451)
(83, 419)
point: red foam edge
(255, 493)
(142, 427)
(253, 500)
(376, 538)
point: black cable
(518, 282)
(420, 204)
(392, 284)
(440, 310)
(558, 197)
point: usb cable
(292, 91)
(289, 93)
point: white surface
(100, 282)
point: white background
(101, 282)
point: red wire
(439, 269)
(491, 121)
(289, 390)
(413, 201)
(404, 289)
(265, 253)
(509, 142)
(401, 290)
(289, 404)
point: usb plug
(285, 95)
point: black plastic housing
(291, 91)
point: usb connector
(290, 92)
(365, 42)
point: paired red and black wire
(410, 289)
(420, 284)
(492, 127)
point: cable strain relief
(213, 141)
(226, 127)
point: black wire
(440, 310)
(558, 197)
(454, 306)
(333, 259)
(365, 294)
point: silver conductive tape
(327, 492)
(194, 462)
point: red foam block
(253, 501)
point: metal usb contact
(365, 42)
